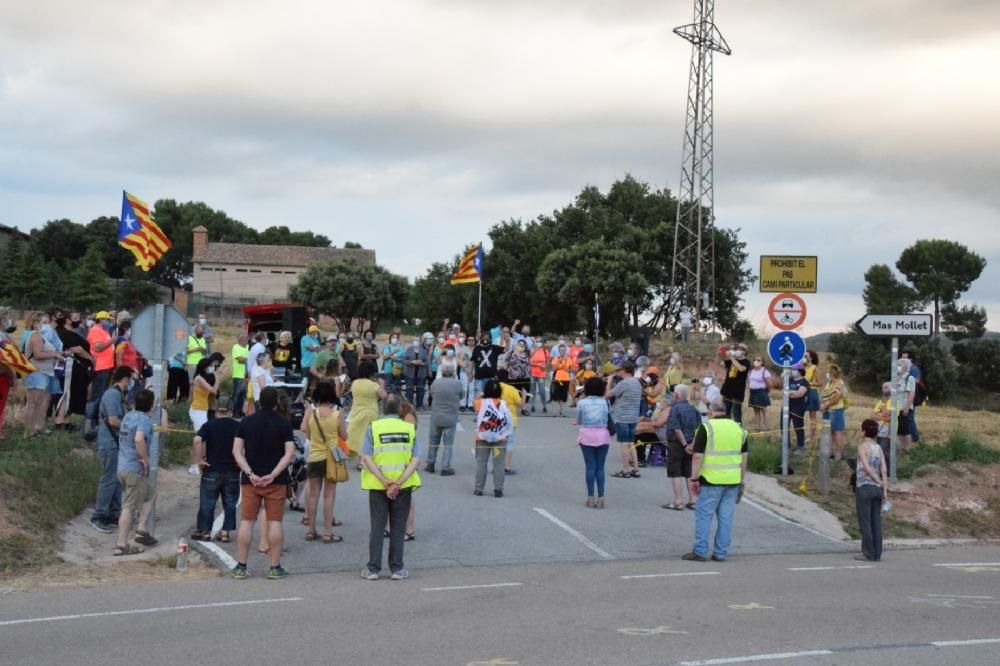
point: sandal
(635, 474)
(337, 523)
(127, 549)
(691, 505)
(312, 535)
(409, 536)
(673, 506)
(196, 536)
(224, 536)
(263, 551)
(332, 538)
(305, 520)
(622, 475)
(146, 539)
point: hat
(331, 338)
(314, 329)
(652, 370)
(103, 314)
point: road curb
(214, 555)
(802, 511)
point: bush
(960, 447)
(764, 456)
(978, 363)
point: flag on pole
(470, 269)
(138, 234)
(597, 313)
(12, 357)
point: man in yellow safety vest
(390, 455)
(718, 469)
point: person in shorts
(134, 440)
(682, 423)
(263, 448)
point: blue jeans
(240, 396)
(914, 433)
(108, 505)
(415, 388)
(439, 433)
(593, 458)
(214, 485)
(538, 391)
(718, 501)
(98, 385)
(480, 385)
(626, 433)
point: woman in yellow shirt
(324, 424)
(510, 395)
(811, 363)
(365, 393)
(834, 408)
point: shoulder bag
(336, 465)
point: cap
(331, 338)
(103, 314)
(314, 329)
(652, 370)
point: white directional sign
(897, 325)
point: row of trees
(930, 272)
(617, 245)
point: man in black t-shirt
(485, 359)
(263, 448)
(220, 477)
(734, 387)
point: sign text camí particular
(788, 274)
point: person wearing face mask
(103, 350)
(309, 346)
(416, 361)
(522, 334)
(350, 354)
(519, 371)
(260, 376)
(436, 351)
(798, 395)
(882, 414)
(810, 365)
(206, 386)
(206, 331)
(617, 354)
(463, 366)
(128, 356)
(77, 373)
(42, 384)
(759, 379)
(675, 372)
(485, 361)
(734, 386)
(197, 348)
(833, 408)
(77, 325)
(369, 350)
(562, 368)
(587, 352)
(907, 386)
(539, 369)
(392, 362)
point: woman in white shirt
(260, 376)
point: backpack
(920, 393)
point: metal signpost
(158, 333)
(895, 325)
(785, 349)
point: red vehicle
(276, 317)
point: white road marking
(848, 566)
(760, 507)
(470, 587)
(976, 641)
(143, 611)
(758, 657)
(671, 575)
(579, 537)
(227, 559)
(957, 596)
(969, 564)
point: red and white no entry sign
(787, 311)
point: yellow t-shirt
(512, 397)
(829, 390)
(810, 375)
(879, 406)
(239, 367)
(317, 446)
(200, 398)
(584, 375)
(675, 376)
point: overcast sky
(845, 130)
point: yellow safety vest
(392, 442)
(194, 357)
(722, 461)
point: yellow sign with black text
(792, 274)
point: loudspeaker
(293, 318)
(640, 336)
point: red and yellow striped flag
(12, 357)
(470, 269)
(138, 234)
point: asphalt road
(798, 608)
(454, 527)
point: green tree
(349, 292)
(30, 276)
(135, 291)
(104, 232)
(433, 298)
(940, 271)
(62, 241)
(351, 245)
(87, 287)
(885, 294)
(283, 236)
(10, 264)
(961, 322)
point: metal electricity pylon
(693, 274)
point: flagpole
(479, 317)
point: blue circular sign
(786, 347)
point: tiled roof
(277, 255)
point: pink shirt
(758, 378)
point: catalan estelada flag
(470, 269)
(138, 234)
(12, 357)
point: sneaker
(477, 493)
(277, 573)
(402, 574)
(90, 436)
(692, 557)
(447, 471)
(429, 468)
(716, 558)
(368, 574)
(239, 572)
(497, 493)
(510, 472)
(101, 526)
(194, 470)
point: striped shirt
(628, 397)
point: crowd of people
(298, 410)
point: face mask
(737, 354)
(562, 341)
(899, 368)
(461, 341)
(671, 361)
(210, 370)
(886, 394)
(440, 341)
(109, 326)
(90, 322)
(202, 321)
(369, 338)
(588, 348)
(416, 343)
(451, 352)
(60, 321)
(341, 340)
(588, 366)
(393, 340)
(631, 353)
(796, 374)
(350, 338)
(617, 354)
(577, 342)
(828, 376)
(46, 329)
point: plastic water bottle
(182, 554)
(886, 505)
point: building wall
(264, 283)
